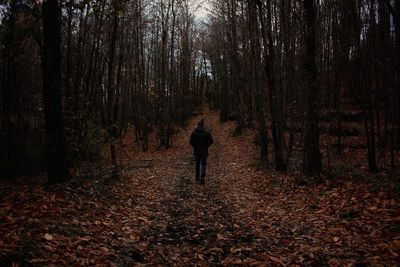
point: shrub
(85, 140)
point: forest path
(156, 215)
(193, 223)
(246, 216)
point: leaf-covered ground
(157, 215)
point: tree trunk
(236, 68)
(56, 159)
(370, 123)
(312, 158)
(111, 96)
(275, 97)
(370, 132)
(396, 17)
(257, 83)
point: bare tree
(56, 159)
(312, 158)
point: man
(201, 140)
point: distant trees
(323, 61)
(309, 75)
(123, 64)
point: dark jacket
(201, 140)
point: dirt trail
(245, 216)
(194, 223)
(156, 215)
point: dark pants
(203, 162)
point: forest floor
(155, 214)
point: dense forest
(98, 99)
(83, 72)
(76, 75)
(290, 66)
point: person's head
(201, 123)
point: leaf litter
(155, 214)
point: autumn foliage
(156, 214)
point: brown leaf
(217, 250)
(220, 237)
(241, 249)
(49, 248)
(249, 261)
(275, 259)
(104, 250)
(200, 256)
(232, 261)
(127, 229)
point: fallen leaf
(232, 261)
(49, 248)
(48, 237)
(104, 250)
(127, 229)
(220, 237)
(249, 261)
(238, 250)
(275, 259)
(217, 250)
(200, 256)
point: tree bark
(56, 159)
(370, 123)
(111, 96)
(275, 97)
(312, 158)
(257, 83)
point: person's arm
(191, 142)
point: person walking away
(201, 140)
